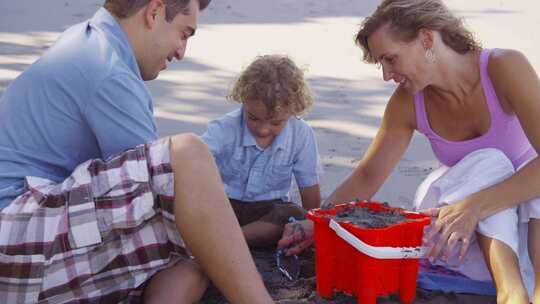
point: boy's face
(264, 126)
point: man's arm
(120, 114)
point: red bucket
(367, 262)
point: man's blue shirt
(83, 99)
(250, 173)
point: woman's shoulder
(506, 67)
(505, 60)
(401, 108)
(504, 54)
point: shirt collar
(248, 139)
(105, 22)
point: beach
(350, 95)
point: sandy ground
(350, 95)
(303, 290)
(318, 34)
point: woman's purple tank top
(505, 132)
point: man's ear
(152, 12)
(426, 37)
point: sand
(350, 95)
(303, 290)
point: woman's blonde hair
(276, 81)
(407, 17)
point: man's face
(168, 40)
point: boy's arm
(311, 197)
(307, 169)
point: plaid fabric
(96, 237)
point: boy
(261, 145)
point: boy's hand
(296, 237)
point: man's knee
(196, 273)
(185, 282)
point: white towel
(475, 172)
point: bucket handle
(377, 252)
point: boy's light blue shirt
(250, 173)
(83, 99)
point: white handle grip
(377, 252)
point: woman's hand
(454, 226)
(296, 237)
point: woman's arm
(391, 141)
(518, 88)
(516, 82)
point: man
(80, 222)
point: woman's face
(403, 62)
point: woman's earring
(430, 56)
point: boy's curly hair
(277, 82)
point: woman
(463, 98)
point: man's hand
(297, 236)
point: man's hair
(126, 8)
(276, 81)
(407, 17)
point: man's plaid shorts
(96, 237)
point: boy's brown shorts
(274, 211)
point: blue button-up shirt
(250, 173)
(83, 99)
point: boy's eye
(277, 123)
